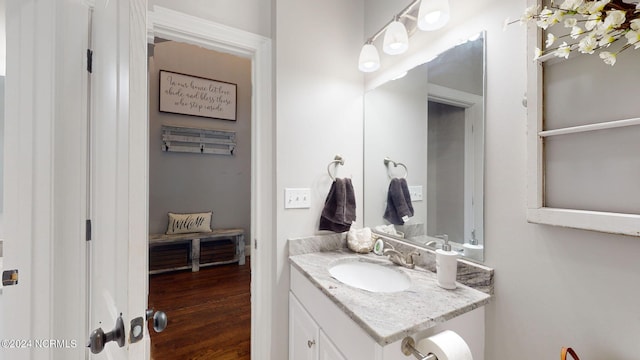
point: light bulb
(396, 39)
(433, 14)
(369, 60)
(432, 17)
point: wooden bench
(196, 240)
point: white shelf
(198, 141)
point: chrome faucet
(431, 243)
(399, 258)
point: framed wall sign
(192, 95)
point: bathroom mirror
(429, 125)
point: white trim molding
(138, 170)
(172, 25)
(617, 223)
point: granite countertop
(388, 317)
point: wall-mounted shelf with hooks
(199, 141)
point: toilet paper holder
(408, 347)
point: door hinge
(90, 61)
(255, 244)
(88, 229)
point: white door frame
(172, 25)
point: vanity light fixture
(431, 15)
(369, 59)
(396, 39)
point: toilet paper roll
(446, 345)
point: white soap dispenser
(446, 265)
(472, 249)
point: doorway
(173, 25)
(211, 176)
(455, 132)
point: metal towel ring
(337, 160)
(396, 164)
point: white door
(68, 286)
(118, 248)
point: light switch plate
(416, 193)
(297, 198)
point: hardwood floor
(209, 313)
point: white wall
(554, 287)
(185, 182)
(250, 15)
(318, 115)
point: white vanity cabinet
(328, 351)
(307, 341)
(321, 329)
(318, 329)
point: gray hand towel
(339, 208)
(398, 202)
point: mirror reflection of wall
(445, 169)
(432, 120)
(395, 116)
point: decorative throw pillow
(189, 223)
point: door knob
(99, 338)
(159, 319)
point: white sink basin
(370, 276)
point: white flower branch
(595, 25)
